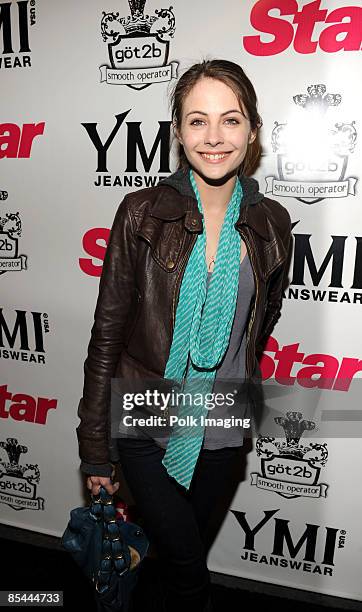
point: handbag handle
(116, 555)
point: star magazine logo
(139, 47)
(16, 141)
(338, 34)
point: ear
(177, 133)
(252, 137)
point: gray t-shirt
(231, 367)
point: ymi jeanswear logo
(313, 150)
(10, 228)
(289, 468)
(139, 47)
(22, 335)
(281, 542)
(15, 19)
(18, 483)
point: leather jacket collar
(165, 207)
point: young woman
(191, 288)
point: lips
(214, 157)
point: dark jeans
(181, 524)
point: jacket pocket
(167, 241)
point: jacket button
(170, 264)
(193, 221)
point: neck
(215, 196)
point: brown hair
(232, 75)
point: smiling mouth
(214, 156)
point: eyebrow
(222, 114)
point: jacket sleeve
(116, 293)
(277, 285)
(100, 469)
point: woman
(191, 288)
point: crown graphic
(11, 224)
(317, 98)
(137, 22)
(14, 450)
(294, 426)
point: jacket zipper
(251, 256)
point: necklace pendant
(212, 261)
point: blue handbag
(108, 550)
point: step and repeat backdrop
(85, 119)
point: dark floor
(31, 561)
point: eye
(233, 121)
(230, 120)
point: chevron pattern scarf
(202, 331)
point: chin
(218, 174)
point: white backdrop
(75, 113)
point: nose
(213, 135)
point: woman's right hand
(94, 484)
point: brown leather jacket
(151, 239)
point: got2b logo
(138, 47)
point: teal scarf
(203, 324)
